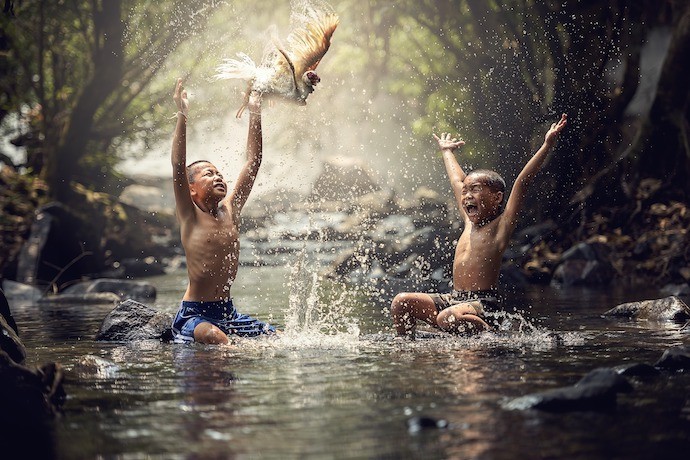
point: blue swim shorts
(220, 313)
(489, 301)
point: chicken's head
(310, 79)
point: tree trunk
(108, 67)
(665, 153)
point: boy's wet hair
(191, 168)
(492, 179)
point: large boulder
(669, 308)
(140, 291)
(595, 391)
(131, 321)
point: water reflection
(317, 390)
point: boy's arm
(183, 200)
(519, 191)
(248, 173)
(455, 172)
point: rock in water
(140, 291)
(666, 309)
(132, 320)
(594, 392)
(675, 359)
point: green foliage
(495, 72)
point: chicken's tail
(243, 68)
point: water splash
(314, 318)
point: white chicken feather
(288, 71)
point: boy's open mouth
(471, 209)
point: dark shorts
(488, 300)
(221, 314)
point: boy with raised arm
(209, 227)
(484, 239)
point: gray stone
(93, 298)
(669, 308)
(91, 366)
(131, 321)
(140, 291)
(594, 392)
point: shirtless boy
(209, 226)
(484, 239)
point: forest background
(85, 97)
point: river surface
(336, 384)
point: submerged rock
(675, 359)
(140, 291)
(595, 391)
(131, 321)
(666, 309)
(95, 366)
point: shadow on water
(338, 383)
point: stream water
(336, 384)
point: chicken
(286, 72)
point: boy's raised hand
(446, 142)
(180, 98)
(555, 129)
